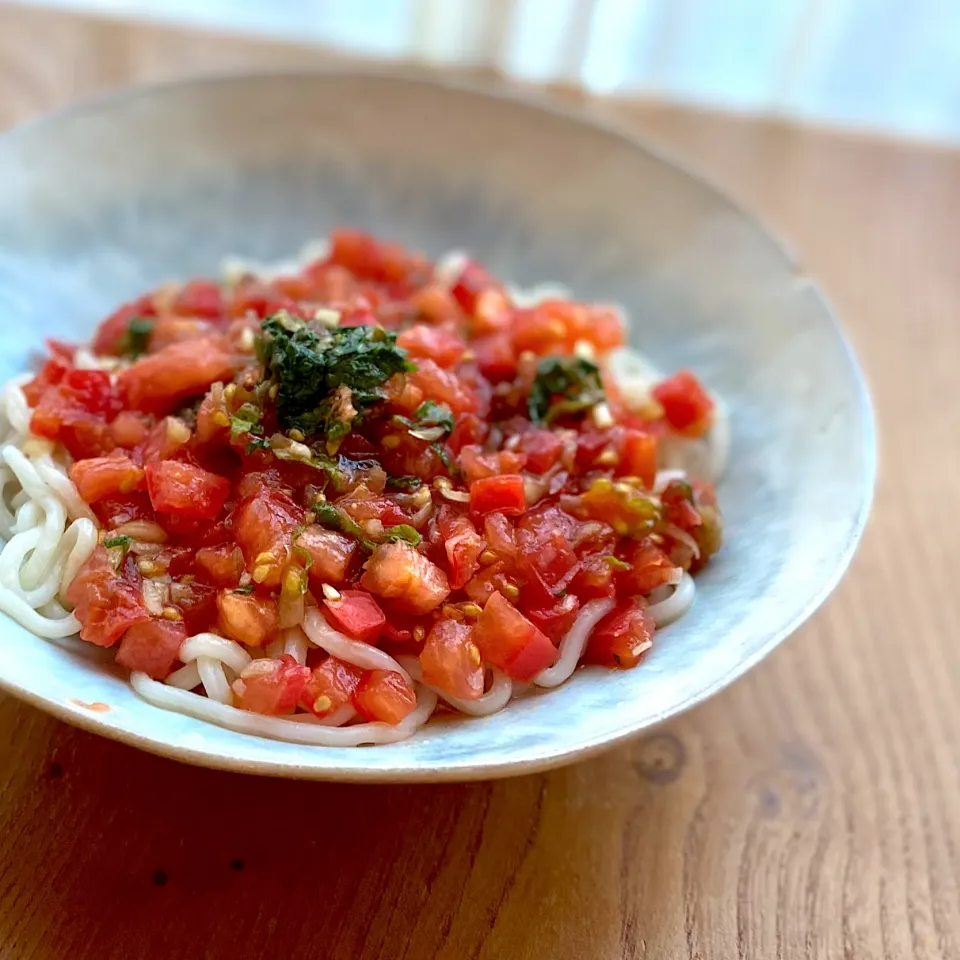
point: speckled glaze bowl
(110, 197)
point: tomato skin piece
(152, 647)
(271, 687)
(503, 494)
(50, 375)
(156, 383)
(248, 618)
(263, 526)
(462, 545)
(687, 406)
(331, 553)
(331, 686)
(622, 637)
(384, 695)
(450, 660)
(106, 603)
(103, 477)
(186, 490)
(357, 615)
(221, 565)
(509, 641)
(398, 572)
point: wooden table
(811, 811)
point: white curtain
(892, 65)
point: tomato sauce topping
(443, 473)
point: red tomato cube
(451, 662)
(503, 494)
(152, 647)
(384, 695)
(186, 490)
(271, 687)
(357, 614)
(622, 637)
(509, 641)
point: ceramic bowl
(108, 198)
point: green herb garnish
(564, 386)
(402, 531)
(136, 340)
(407, 482)
(245, 421)
(122, 542)
(310, 369)
(337, 519)
(431, 421)
(616, 563)
(248, 588)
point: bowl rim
(538, 100)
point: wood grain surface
(813, 810)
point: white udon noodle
(49, 532)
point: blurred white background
(888, 65)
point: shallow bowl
(108, 198)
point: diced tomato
(472, 281)
(271, 687)
(477, 465)
(76, 411)
(331, 686)
(650, 568)
(104, 477)
(487, 581)
(435, 304)
(128, 429)
(594, 579)
(120, 510)
(51, 374)
(509, 641)
(500, 536)
(106, 603)
(462, 545)
(221, 565)
(397, 572)
(357, 614)
(443, 386)
(156, 383)
(261, 299)
(387, 511)
(450, 660)
(622, 637)
(247, 618)
(686, 404)
(557, 620)
(503, 494)
(384, 695)
(264, 525)
(539, 331)
(152, 647)
(330, 553)
(541, 448)
(468, 428)
(112, 334)
(438, 343)
(185, 490)
(170, 329)
(496, 356)
(638, 456)
(199, 298)
(604, 328)
(165, 439)
(198, 604)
